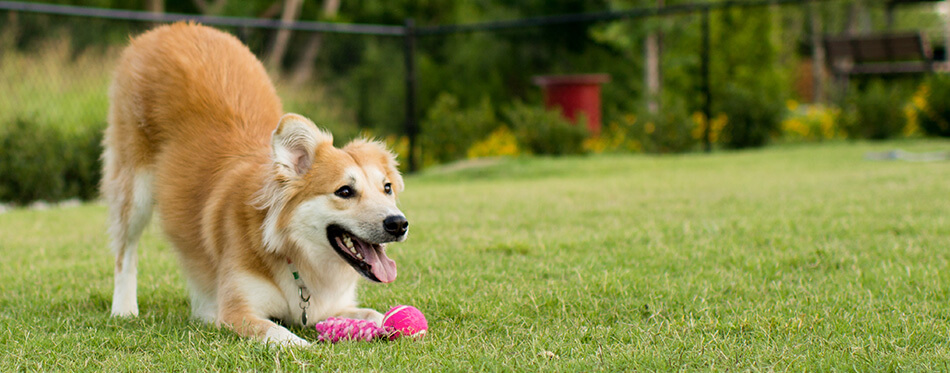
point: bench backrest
(846, 53)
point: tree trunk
(155, 6)
(291, 10)
(946, 32)
(303, 69)
(817, 55)
(652, 49)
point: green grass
(790, 258)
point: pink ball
(406, 320)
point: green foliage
(747, 45)
(874, 111)
(679, 59)
(543, 131)
(448, 131)
(325, 110)
(934, 115)
(811, 123)
(55, 70)
(51, 86)
(749, 80)
(52, 112)
(371, 84)
(41, 162)
(670, 130)
(754, 115)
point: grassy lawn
(789, 258)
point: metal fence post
(412, 127)
(707, 95)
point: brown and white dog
(248, 196)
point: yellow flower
(501, 142)
(718, 123)
(594, 145)
(699, 119)
(797, 127)
(920, 97)
(649, 127)
(399, 145)
(792, 105)
(816, 122)
(630, 119)
(612, 138)
(913, 122)
(827, 124)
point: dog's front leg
(361, 314)
(236, 312)
(247, 325)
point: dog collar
(302, 291)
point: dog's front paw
(281, 336)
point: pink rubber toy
(405, 321)
(399, 321)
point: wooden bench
(880, 54)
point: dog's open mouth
(369, 259)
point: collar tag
(302, 291)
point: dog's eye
(388, 188)
(344, 192)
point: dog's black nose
(396, 225)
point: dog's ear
(294, 143)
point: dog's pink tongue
(383, 268)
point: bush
(39, 162)
(542, 131)
(753, 116)
(934, 114)
(668, 131)
(448, 131)
(875, 112)
(716, 125)
(500, 143)
(811, 123)
(54, 86)
(324, 109)
(616, 136)
(52, 112)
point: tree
(653, 49)
(155, 6)
(303, 69)
(282, 38)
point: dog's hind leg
(128, 191)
